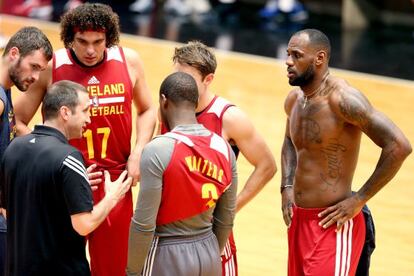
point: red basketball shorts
(229, 258)
(314, 250)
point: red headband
(77, 29)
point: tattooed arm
(288, 172)
(289, 163)
(355, 109)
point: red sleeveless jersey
(212, 116)
(107, 140)
(197, 175)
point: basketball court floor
(259, 85)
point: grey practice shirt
(155, 159)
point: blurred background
(371, 36)
(250, 37)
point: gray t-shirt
(155, 159)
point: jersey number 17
(105, 131)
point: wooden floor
(259, 86)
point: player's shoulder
(237, 124)
(160, 142)
(159, 149)
(62, 52)
(3, 95)
(133, 60)
(293, 94)
(338, 85)
(339, 90)
(344, 99)
(235, 114)
(291, 99)
(130, 54)
(222, 101)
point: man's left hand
(341, 212)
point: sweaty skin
(322, 140)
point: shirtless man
(325, 120)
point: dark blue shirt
(7, 132)
(7, 121)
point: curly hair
(90, 17)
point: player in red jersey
(228, 121)
(325, 121)
(115, 79)
(187, 198)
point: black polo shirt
(45, 182)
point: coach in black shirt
(47, 190)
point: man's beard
(305, 78)
(14, 73)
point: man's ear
(208, 79)
(163, 101)
(14, 53)
(321, 57)
(65, 112)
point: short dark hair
(197, 55)
(61, 93)
(317, 39)
(180, 87)
(29, 39)
(90, 17)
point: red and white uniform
(212, 116)
(106, 142)
(204, 175)
(212, 119)
(314, 250)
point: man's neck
(204, 101)
(75, 58)
(313, 88)
(56, 125)
(182, 117)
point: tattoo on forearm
(289, 162)
(332, 153)
(387, 167)
(291, 174)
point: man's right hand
(287, 205)
(117, 189)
